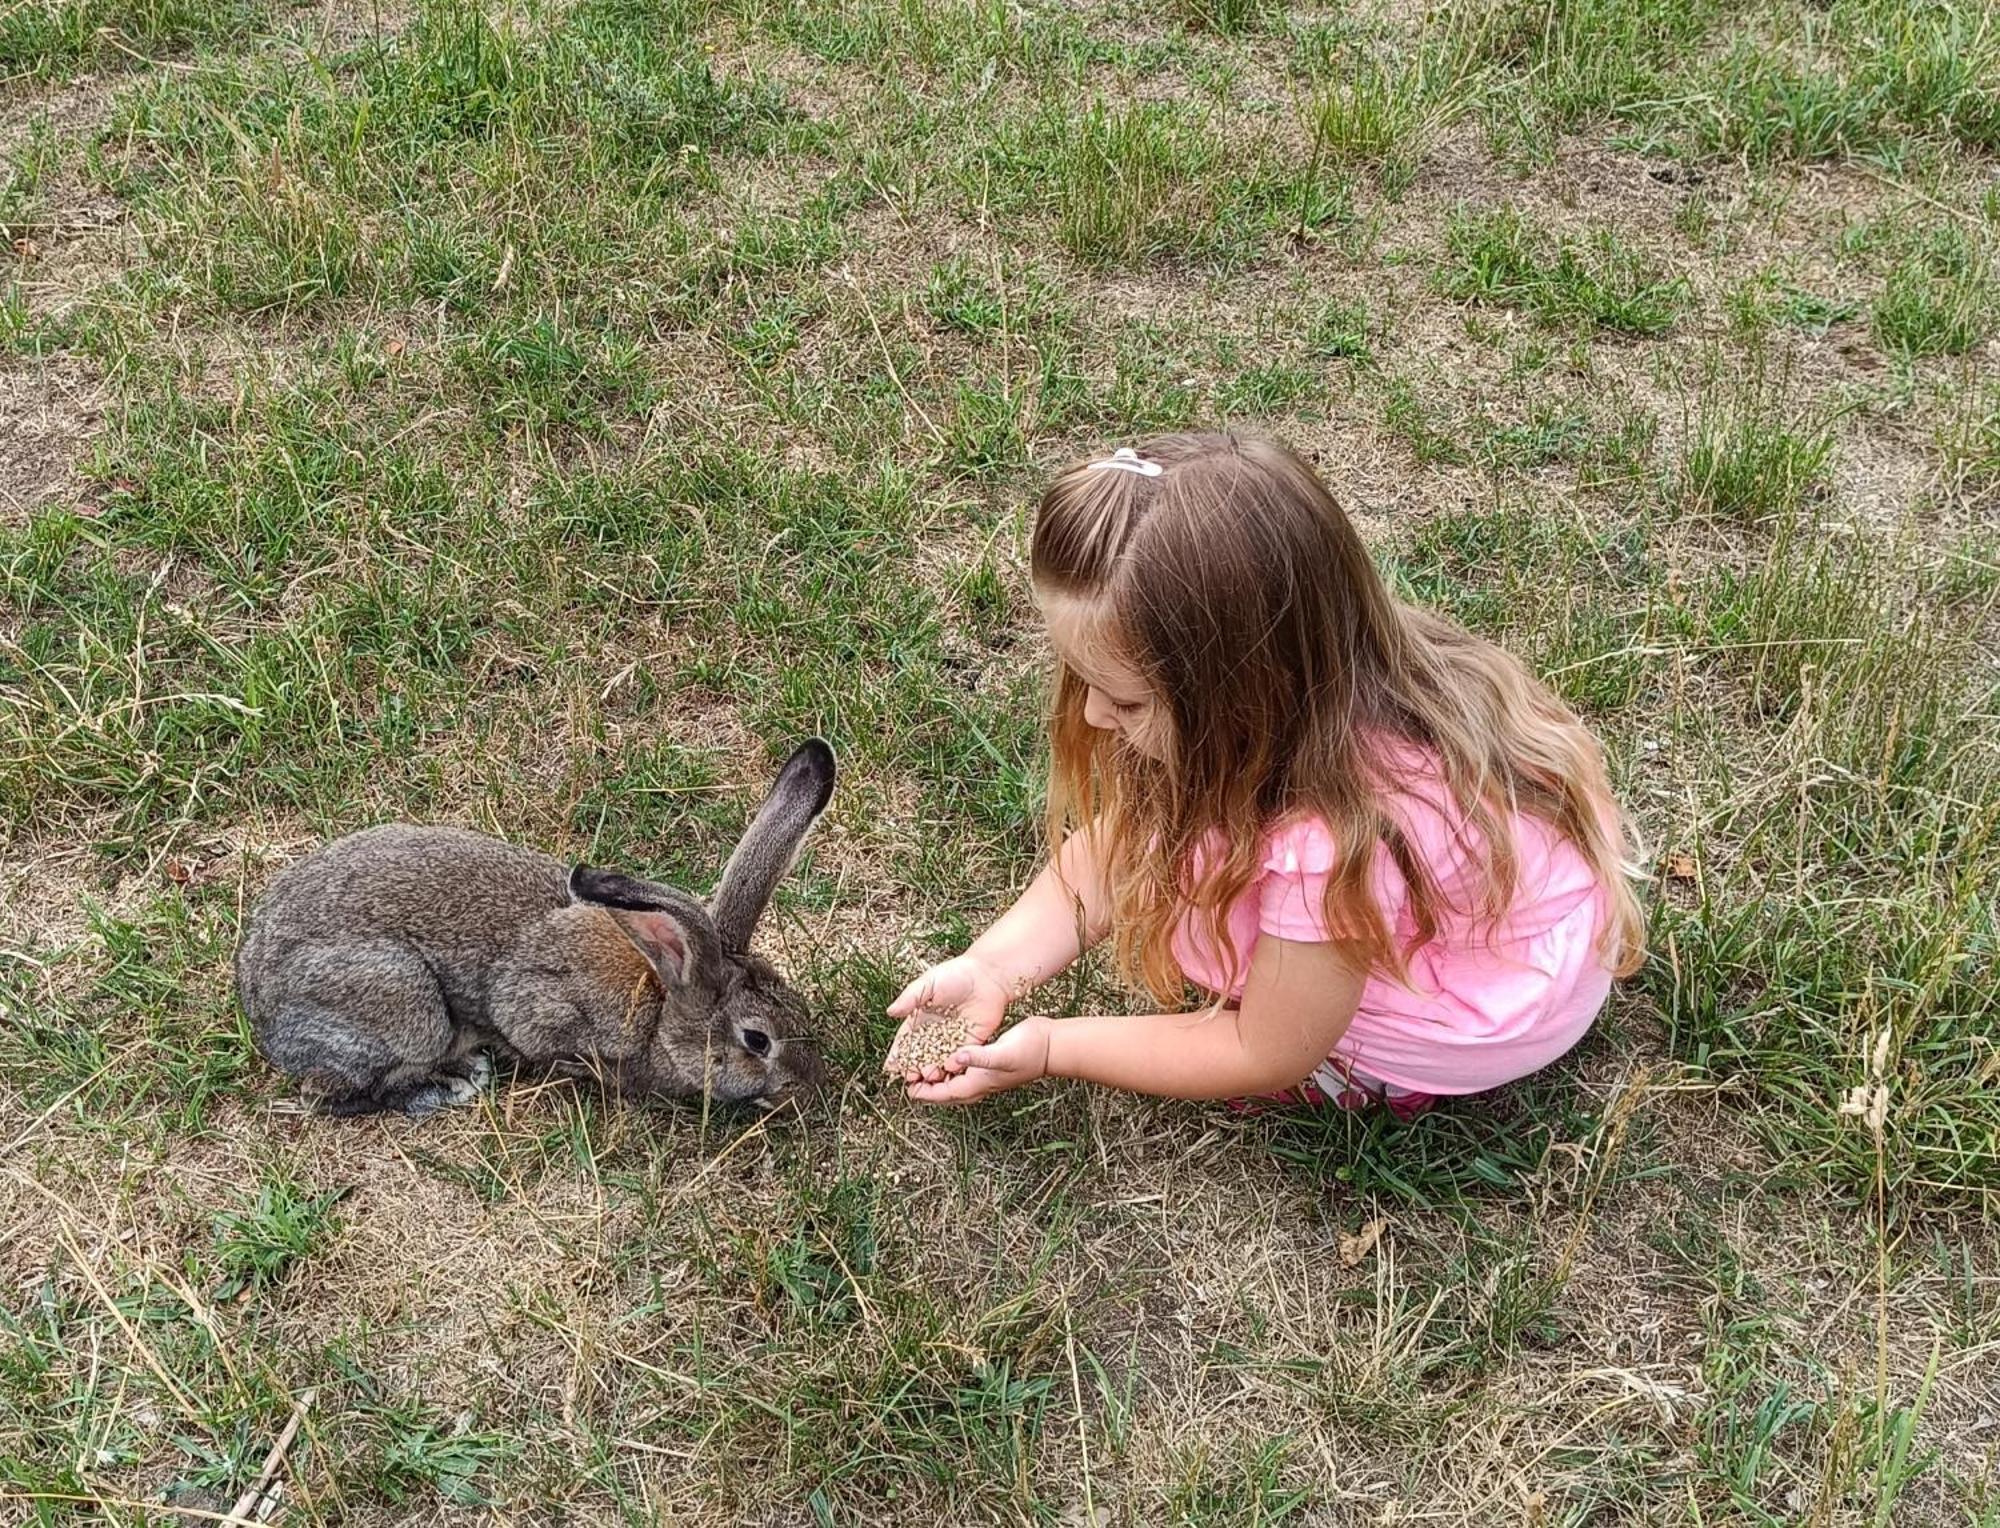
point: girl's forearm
(1055, 920)
(1176, 1055)
(1036, 938)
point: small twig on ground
(890, 361)
(1893, 184)
(110, 36)
(249, 1508)
(94, 1499)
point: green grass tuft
(1495, 256)
(1133, 182)
(1971, 444)
(257, 1245)
(1569, 61)
(54, 39)
(1934, 67)
(1340, 332)
(1388, 110)
(1747, 456)
(1872, 694)
(1588, 601)
(1759, 106)
(1225, 18)
(1941, 300)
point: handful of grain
(928, 1039)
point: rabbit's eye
(756, 1042)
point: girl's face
(1117, 697)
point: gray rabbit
(377, 970)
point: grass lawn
(539, 416)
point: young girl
(1387, 854)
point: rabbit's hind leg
(451, 1084)
(363, 1026)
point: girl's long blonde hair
(1237, 586)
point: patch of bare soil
(49, 412)
(70, 109)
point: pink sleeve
(1291, 893)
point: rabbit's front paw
(452, 1086)
(472, 1076)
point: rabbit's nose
(795, 1091)
(784, 1098)
(803, 1070)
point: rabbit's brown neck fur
(646, 985)
(606, 945)
(601, 943)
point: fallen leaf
(1354, 1248)
(394, 347)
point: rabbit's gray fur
(378, 970)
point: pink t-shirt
(1482, 1006)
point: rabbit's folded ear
(668, 927)
(771, 843)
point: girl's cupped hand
(1018, 1057)
(964, 984)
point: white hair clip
(1125, 459)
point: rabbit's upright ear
(771, 843)
(668, 927)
